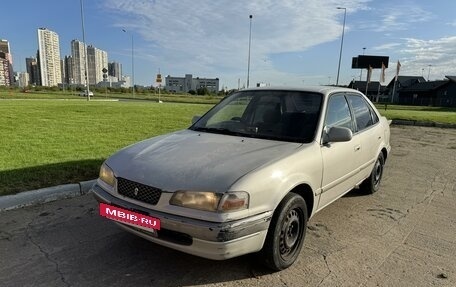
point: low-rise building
(373, 90)
(440, 93)
(188, 83)
(401, 83)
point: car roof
(326, 90)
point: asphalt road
(404, 235)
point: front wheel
(372, 183)
(286, 233)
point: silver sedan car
(246, 176)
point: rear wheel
(372, 183)
(286, 233)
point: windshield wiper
(226, 131)
(279, 138)
(223, 131)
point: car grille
(138, 191)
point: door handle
(357, 148)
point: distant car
(247, 175)
(84, 93)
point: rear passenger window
(361, 111)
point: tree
(202, 91)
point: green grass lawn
(426, 114)
(52, 142)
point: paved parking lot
(404, 235)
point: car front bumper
(206, 239)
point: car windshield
(268, 114)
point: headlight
(211, 201)
(202, 200)
(107, 175)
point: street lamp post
(361, 73)
(248, 61)
(85, 53)
(132, 63)
(429, 71)
(341, 44)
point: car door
(340, 163)
(369, 132)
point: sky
(293, 42)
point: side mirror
(195, 119)
(337, 134)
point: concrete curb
(423, 124)
(43, 195)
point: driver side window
(338, 113)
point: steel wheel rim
(378, 169)
(291, 233)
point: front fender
(268, 185)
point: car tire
(286, 233)
(372, 184)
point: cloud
(400, 17)
(440, 54)
(387, 46)
(210, 38)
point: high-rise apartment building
(31, 65)
(5, 48)
(63, 71)
(68, 65)
(49, 57)
(5, 79)
(78, 53)
(22, 79)
(115, 70)
(98, 60)
(6, 64)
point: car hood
(189, 160)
